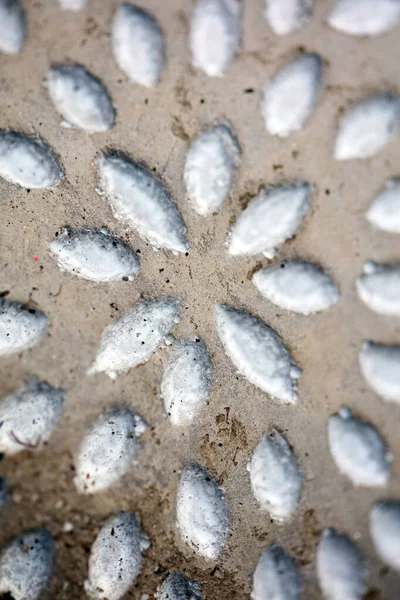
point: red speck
(35, 258)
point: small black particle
(125, 279)
(249, 91)
(161, 270)
(146, 100)
(31, 310)
(327, 191)
(202, 101)
(27, 191)
(167, 281)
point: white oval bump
(29, 415)
(201, 512)
(276, 576)
(116, 557)
(80, 97)
(358, 450)
(26, 564)
(284, 16)
(140, 199)
(367, 126)
(132, 339)
(380, 365)
(73, 5)
(379, 288)
(179, 587)
(28, 161)
(215, 34)
(258, 353)
(297, 286)
(21, 326)
(12, 26)
(94, 255)
(270, 218)
(340, 567)
(291, 95)
(384, 523)
(137, 44)
(275, 476)
(210, 167)
(364, 17)
(186, 381)
(384, 211)
(107, 450)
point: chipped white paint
(201, 512)
(94, 254)
(291, 95)
(210, 167)
(367, 126)
(132, 339)
(116, 557)
(107, 450)
(186, 381)
(28, 161)
(73, 5)
(384, 211)
(380, 365)
(21, 327)
(137, 44)
(284, 16)
(258, 353)
(297, 286)
(29, 415)
(141, 200)
(179, 587)
(26, 564)
(275, 476)
(358, 450)
(364, 17)
(276, 576)
(340, 567)
(215, 34)
(80, 97)
(384, 522)
(379, 288)
(12, 26)
(271, 218)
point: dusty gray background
(154, 126)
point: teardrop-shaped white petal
(211, 162)
(384, 211)
(284, 16)
(340, 567)
(298, 286)
(275, 476)
(21, 327)
(384, 522)
(215, 34)
(132, 339)
(276, 576)
(364, 17)
(291, 95)
(28, 161)
(258, 353)
(80, 97)
(29, 415)
(137, 44)
(179, 587)
(26, 564)
(201, 512)
(138, 198)
(93, 254)
(379, 288)
(115, 557)
(271, 218)
(358, 450)
(367, 126)
(12, 26)
(73, 5)
(380, 365)
(186, 381)
(107, 450)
